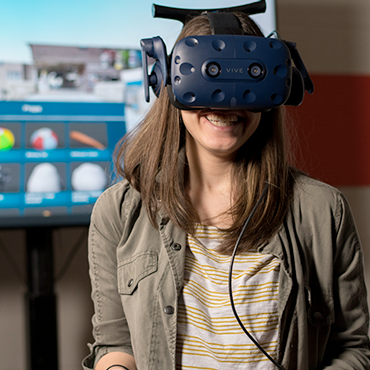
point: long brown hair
(149, 156)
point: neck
(208, 186)
(208, 172)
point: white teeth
(221, 120)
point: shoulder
(114, 205)
(310, 191)
(319, 201)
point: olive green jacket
(137, 276)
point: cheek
(255, 118)
(254, 121)
(190, 119)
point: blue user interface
(55, 159)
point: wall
(332, 126)
(332, 131)
(74, 306)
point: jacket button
(317, 316)
(130, 283)
(176, 247)
(169, 310)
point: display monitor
(55, 160)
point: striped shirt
(209, 336)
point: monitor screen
(55, 160)
(66, 98)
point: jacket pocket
(320, 307)
(131, 271)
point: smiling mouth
(222, 120)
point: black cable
(230, 281)
(12, 263)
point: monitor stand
(41, 310)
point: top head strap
(224, 23)
(184, 15)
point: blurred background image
(71, 86)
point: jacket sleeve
(348, 346)
(110, 330)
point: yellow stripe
(191, 311)
(230, 330)
(224, 274)
(219, 303)
(238, 297)
(238, 360)
(198, 340)
(227, 325)
(263, 260)
(240, 290)
(197, 247)
(183, 367)
(230, 322)
(229, 353)
(250, 326)
(261, 314)
(222, 350)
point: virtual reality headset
(225, 70)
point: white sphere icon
(44, 178)
(89, 177)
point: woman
(161, 240)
